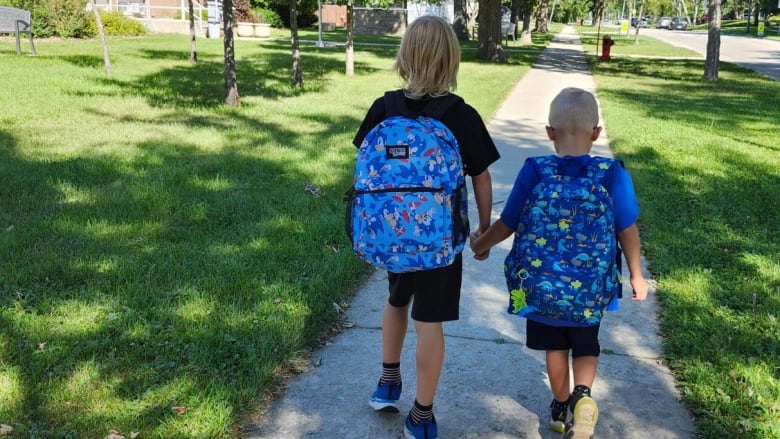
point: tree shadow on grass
(716, 233)
(171, 287)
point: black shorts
(436, 292)
(583, 341)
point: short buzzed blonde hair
(429, 58)
(574, 110)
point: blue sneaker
(385, 397)
(426, 429)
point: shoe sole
(384, 407)
(586, 414)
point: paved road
(759, 54)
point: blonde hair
(574, 109)
(429, 58)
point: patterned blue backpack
(407, 208)
(564, 262)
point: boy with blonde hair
(428, 62)
(568, 211)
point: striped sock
(420, 412)
(391, 372)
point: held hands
(639, 286)
(473, 241)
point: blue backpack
(407, 208)
(564, 263)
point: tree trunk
(350, 46)
(231, 82)
(295, 43)
(461, 23)
(541, 17)
(638, 17)
(713, 42)
(525, 35)
(489, 32)
(99, 23)
(193, 50)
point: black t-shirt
(476, 146)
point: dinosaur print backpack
(564, 265)
(407, 208)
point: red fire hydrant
(606, 46)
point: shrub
(268, 16)
(116, 24)
(67, 18)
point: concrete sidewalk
(491, 386)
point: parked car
(642, 22)
(664, 22)
(678, 23)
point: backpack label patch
(397, 152)
(563, 265)
(407, 209)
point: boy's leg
(395, 321)
(584, 370)
(555, 342)
(558, 371)
(430, 359)
(583, 411)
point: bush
(67, 18)
(40, 22)
(116, 24)
(268, 16)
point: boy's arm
(481, 243)
(629, 242)
(483, 195)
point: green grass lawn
(740, 27)
(162, 265)
(646, 46)
(706, 166)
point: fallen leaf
(42, 346)
(134, 434)
(8, 229)
(179, 410)
(5, 429)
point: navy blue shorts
(436, 292)
(583, 342)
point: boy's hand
(639, 286)
(472, 243)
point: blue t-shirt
(621, 188)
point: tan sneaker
(581, 421)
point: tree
(541, 17)
(461, 24)
(350, 48)
(350, 26)
(193, 49)
(231, 82)
(101, 31)
(713, 42)
(296, 49)
(489, 32)
(638, 18)
(526, 12)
